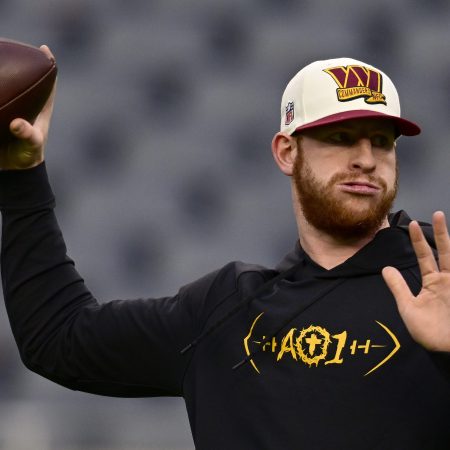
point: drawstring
(300, 310)
(265, 287)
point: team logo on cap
(289, 113)
(358, 82)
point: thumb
(26, 150)
(28, 134)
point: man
(316, 354)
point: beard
(343, 218)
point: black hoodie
(294, 358)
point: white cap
(339, 89)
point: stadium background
(160, 158)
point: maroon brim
(404, 127)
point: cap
(334, 90)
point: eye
(340, 137)
(382, 141)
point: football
(27, 76)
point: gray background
(160, 158)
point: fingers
(425, 257)
(48, 52)
(398, 286)
(48, 107)
(442, 240)
(43, 120)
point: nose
(362, 157)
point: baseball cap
(334, 90)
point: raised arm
(124, 348)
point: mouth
(359, 187)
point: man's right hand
(26, 150)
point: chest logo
(315, 345)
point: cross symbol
(312, 341)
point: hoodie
(296, 357)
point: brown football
(27, 76)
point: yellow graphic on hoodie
(311, 346)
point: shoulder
(225, 287)
(401, 219)
(235, 277)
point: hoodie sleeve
(121, 348)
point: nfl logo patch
(289, 113)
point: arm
(125, 348)
(118, 348)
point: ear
(284, 151)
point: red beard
(344, 219)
